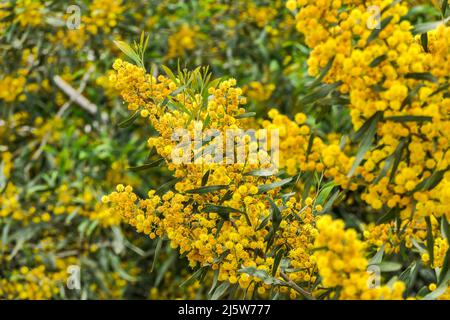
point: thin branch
(75, 96)
(294, 286)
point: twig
(75, 96)
(294, 286)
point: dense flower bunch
(216, 215)
(395, 78)
(341, 260)
(336, 185)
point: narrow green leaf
(323, 73)
(223, 211)
(378, 60)
(421, 76)
(147, 165)
(394, 157)
(128, 122)
(260, 173)
(278, 184)
(220, 290)
(444, 275)
(276, 261)
(196, 275)
(157, 250)
(436, 293)
(430, 239)
(245, 115)
(324, 193)
(207, 189)
(427, 26)
(424, 41)
(320, 92)
(365, 144)
(430, 182)
(378, 257)
(384, 23)
(127, 50)
(205, 178)
(403, 119)
(387, 266)
(169, 73)
(445, 228)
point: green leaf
(358, 135)
(127, 50)
(444, 275)
(278, 184)
(403, 119)
(263, 223)
(323, 73)
(197, 274)
(440, 89)
(220, 291)
(276, 215)
(436, 293)
(128, 122)
(411, 94)
(214, 283)
(321, 92)
(409, 275)
(424, 41)
(445, 228)
(378, 257)
(147, 165)
(261, 274)
(421, 76)
(393, 158)
(205, 178)
(157, 250)
(388, 216)
(169, 73)
(427, 26)
(387, 266)
(260, 173)
(366, 143)
(330, 202)
(207, 189)
(276, 261)
(169, 184)
(219, 226)
(223, 211)
(310, 145)
(430, 239)
(376, 32)
(430, 182)
(245, 115)
(324, 193)
(377, 61)
(444, 7)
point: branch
(294, 286)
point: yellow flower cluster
(29, 12)
(104, 15)
(393, 74)
(182, 41)
(32, 284)
(341, 261)
(11, 88)
(222, 221)
(258, 91)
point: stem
(307, 295)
